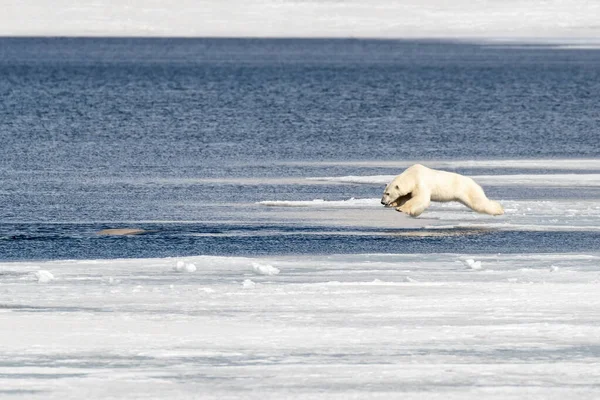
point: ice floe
(320, 203)
(517, 164)
(538, 180)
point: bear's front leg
(415, 206)
(412, 211)
(400, 201)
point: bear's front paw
(408, 211)
(404, 209)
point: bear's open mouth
(400, 200)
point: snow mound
(44, 276)
(472, 264)
(264, 269)
(184, 267)
(248, 284)
(113, 281)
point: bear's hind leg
(480, 203)
(493, 208)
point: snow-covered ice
(551, 19)
(521, 164)
(332, 327)
(551, 180)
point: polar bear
(412, 191)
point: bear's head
(395, 194)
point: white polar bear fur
(412, 191)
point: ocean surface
(185, 137)
(267, 267)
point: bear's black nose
(383, 202)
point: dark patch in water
(178, 240)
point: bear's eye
(397, 188)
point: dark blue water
(102, 133)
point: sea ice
(574, 19)
(547, 180)
(320, 203)
(264, 269)
(339, 323)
